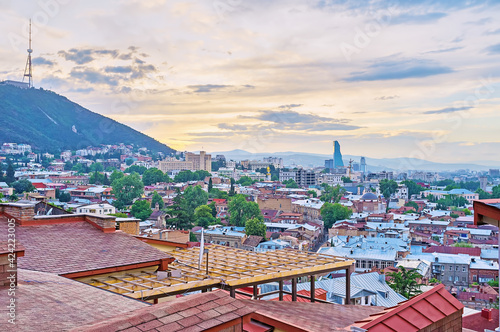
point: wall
(450, 323)
(129, 227)
(282, 204)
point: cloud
(118, 69)
(408, 18)
(41, 61)
(291, 120)
(445, 50)
(93, 76)
(87, 55)
(231, 126)
(387, 97)
(204, 88)
(397, 70)
(492, 32)
(289, 106)
(449, 110)
(493, 49)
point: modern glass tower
(337, 156)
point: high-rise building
(200, 161)
(362, 163)
(337, 155)
(483, 182)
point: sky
(386, 79)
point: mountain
(373, 164)
(50, 122)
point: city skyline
(405, 80)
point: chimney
(157, 206)
(8, 265)
(486, 313)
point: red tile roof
(414, 314)
(196, 312)
(319, 293)
(480, 321)
(454, 250)
(79, 246)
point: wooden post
(281, 290)
(255, 292)
(232, 292)
(348, 286)
(294, 289)
(313, 288)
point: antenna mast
(28, 71)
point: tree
(413, 187)
(255, 226)
(136, 169)
(245, 181)
(483, 194)
(330, 213)
(129, 161)
(413, 205)
(346, 179)
(216, 193)
(405, 282)
(495, 192)
(232, 192)
(9, 174)
(96, 167)
(115, 176)
(213, 209)
(22, 186)
(141, 209)
(64, 197)
(96, 178)
(1, 172)
(156, 199)
(332, 194)
(203, 216)
(78, 168)
(194, 197)
(152, 176)
(210, 185)
(388, 187)
(127, 188)
(463, 245)
(241, 210)
(290, 184)
(179, 218)
(192, 237)
(313, 193)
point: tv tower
(28, 71)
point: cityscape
(136, 198)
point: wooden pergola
(229, 269)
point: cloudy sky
(385, 78)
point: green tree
(178, 216)
(64, 197)
(152, 176)
(141, 209)
(96, 178)
(388, 187)
(346, 179)
(157, 199)
(78, 167)
(232, 192)
(405, 282)
(330, 213)
(290, 184)
(118, 215)
(203, 216)
(115, 176)
(9, 174)
(313, 193)
(463, 245)
(483, 194)
(127, 188)
(137, 169)
(216, 193)
(129, 161)
(2, 179)
(413, 187)
(245, 181)
(192, 237)
(213, 209)
(96, 167)
(22, 186)
(332, 194)
(194, 197)
(413, 205)
(255, 226)
(240, 210)
(210, 185)
(495, 192)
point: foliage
(194, 197)
(313, 193)
(154, 175)
(495, 192)
(127, 188)
(213, 209)
(454, 215)
(493, 283)
(179, 217)
(210, 184)
(413, 205)
(64, 197)
(388, 187)
(96, 167)
(405, 282)
(241, 210)
(434, 281)
(216, 193)
(192, 237)
(483, 194)
(463, 245)
(231, 192)
(157, 199)
(332, 194)
(450, 200)
(346, 179)
(129, 161)
(9, 174)
(330, 213)
(245, 181)
(186, 176)
(115, 176)
(203, 216)
(255, 226)
(413, 187)
(79, 168)
(22, 186)
(136, 168)
(119, 215)
(99, 178)
(290, 184)
(141, 209)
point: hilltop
(51, 122)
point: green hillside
(50, 122)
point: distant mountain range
(373, 164)
(50, 122)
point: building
(451, 270)
(483, 182)
(103, 208)
(173, 164)
(438, 194)
(362, 165)
(14, 148)
(337, 155)
(306, 178)
(482, 271)
(287, 175)
(330, 179)
(201, 161)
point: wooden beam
(115, 286)
(313, 288)
(281, 290)
(348, 286)
(255, 291)
(232, 292)
(132, 282)
(294, 289)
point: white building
(96, 208)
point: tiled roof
(414, 314)
(454, 250)
(478, 321)
(312, 317)
(48, 302)
(196, 312)
(252, 240)
(79, 246)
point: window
(464, 279)
(456, 278)
(442, 268)
(474, 278)
(451, 268)
(450, 278)
(463, 268)
(363, 264)
(456, 268)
